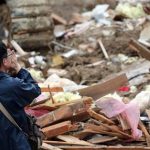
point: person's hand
(14, 65)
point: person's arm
(25, 88)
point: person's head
(5, 56)
(2, 2)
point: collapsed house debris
(94, 73)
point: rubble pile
(70, 121)
(96, 52)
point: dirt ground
(114, 44)
(77, 65)
(115, 40)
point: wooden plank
(65, 112)
(80, 117)
(51, 107)
(116, 129)
(49, 147)
(141, 49)
(124, 124)
(101, 89)
(134, 72)
(52, 89)
(113, 128)
(103, 49)
(92, 123)
(74, 140)
(144, 130)
(86, 132)
(112, 131)
(104, 148)
(43, 107)
(17, 47)
(58, 129)
(46, 89)
(99, 117)
(102, 139)
(60, 143)
(58, 19)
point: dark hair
(3, 52)
(2, 2)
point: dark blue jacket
(16, 93)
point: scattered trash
(57, 60)
(56, 81)
(59, 31)
(73, 52)
(78, 29)
(99, 14)
(40, 60)
(65, 96)
(59, 72)
(37, 75)
(131, 11)
(143, 100)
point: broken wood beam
(99, 117)
(97, 147)
(102, 139)
(58, 129)
(116, 129)
(134, 71)
(101, 89)
(65, 112)
(108, 130)
(52, 89)
(142, 50)
(124, 124)
(58, 19)
(146, 134)
(49, 147)
(85, 133)
(18, 48)
(74, 140)
(60, 143)
(103, 49)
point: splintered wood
(76, 125)
(99, 117)
(58, 19)
(141, 49)
(98, 129)
(58, 129)
(65, 112)
(74, 140)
